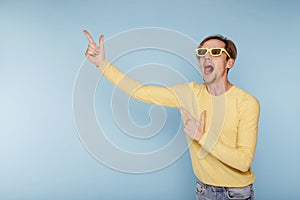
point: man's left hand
(192, 127)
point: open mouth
(208, 69)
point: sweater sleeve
(239, 157)
(165, 96)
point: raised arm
(166, 96)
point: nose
(207, 56)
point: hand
(192, 127)
(95, 54)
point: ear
(230, 63)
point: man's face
(214, 68)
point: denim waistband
(213, 188)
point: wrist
(198, 137)
(102, 64)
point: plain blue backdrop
(42, 48)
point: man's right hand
(95, 54)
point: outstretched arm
(152, 94)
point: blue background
(42, 47)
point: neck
(217, 89)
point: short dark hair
(229, 45)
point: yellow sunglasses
(201, 52)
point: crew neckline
(225, 93)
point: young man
(220, 119)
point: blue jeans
(209, 192)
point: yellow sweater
(224, 154)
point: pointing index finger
(183, 110)
(89, 37)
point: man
(221, 120)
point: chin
(208, 80)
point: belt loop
(202, 184)
(213, 188)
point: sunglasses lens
(202, 52)
(216, 52)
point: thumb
(101, 38)
(101, 45)
(202, 120)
